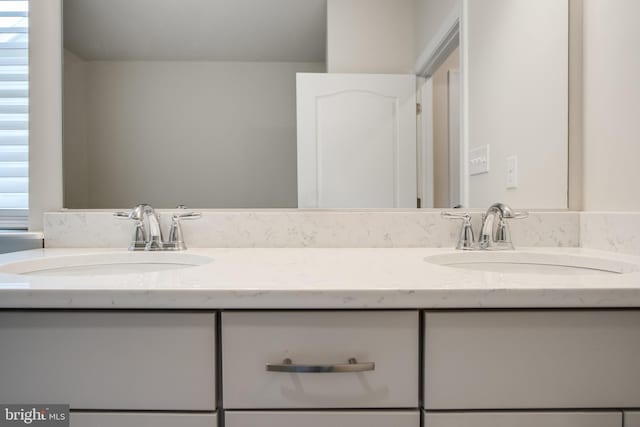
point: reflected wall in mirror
(312, 103)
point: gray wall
(203, 134)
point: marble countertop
(319, 279)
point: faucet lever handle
(455, 215)
(138, 237)
(467, 240)
(176, 241)
(136, 213)
(187, 216)
(124, 215)
(519, 215)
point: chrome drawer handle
(353, 366)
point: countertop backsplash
(611, 231)
(306, 228)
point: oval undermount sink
(105, 264)
(533, 263)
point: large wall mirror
(314, 103)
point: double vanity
(321, 284)
(317, 368)
(348, 337)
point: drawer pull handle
(353, 366)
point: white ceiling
(215, 30)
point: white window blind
(14, 114)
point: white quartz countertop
(318, 279)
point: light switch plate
(512, 172)
(479, 160)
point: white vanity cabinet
(322, 419)
(523, 419)
(632, 419)
(480, 368)
(385, 344)
(383, 347)
(109, 360)
(538, 359)
(132, 419)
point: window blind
(14, 114)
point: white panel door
(356, 141)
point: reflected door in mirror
(356, 141)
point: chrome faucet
(153, 232)
(494, 232)
(147, 232)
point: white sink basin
(105, 264)
(533, 263)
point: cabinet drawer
(109, 360)
(250, 341)
(105, 419)
(631, 419)
(322, 419)
(524, 419)
(532, 359)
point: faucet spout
(147, 233)
(495, 234)
(153, 231)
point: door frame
(451, 34)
